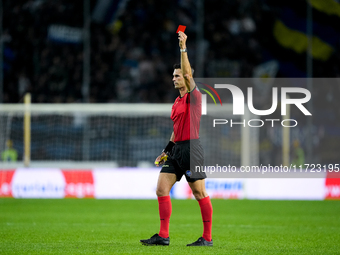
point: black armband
(168, 148)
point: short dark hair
(178, 66)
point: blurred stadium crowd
(133, 51)
(131, 55)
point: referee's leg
(198, 189)
(164, 185)
(201, 195)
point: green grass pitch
(89, 226)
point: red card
(181, 28)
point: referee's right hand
(161, 159)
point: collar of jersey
(187, 92)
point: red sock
(164, 205)
(206, 211)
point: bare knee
(198, 189)
(165, 183)
(160, 192)
(199, 194)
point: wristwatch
(183, 50)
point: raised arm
(185, 64)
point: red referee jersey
(186, 115)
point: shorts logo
(188, 173)
(165, 165)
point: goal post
(27, 130)
(250, 143)
(117, 134)
(286, 139)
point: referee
(182, 153)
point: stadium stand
(132, 55)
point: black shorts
(184, 157)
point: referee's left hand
(182, 40)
